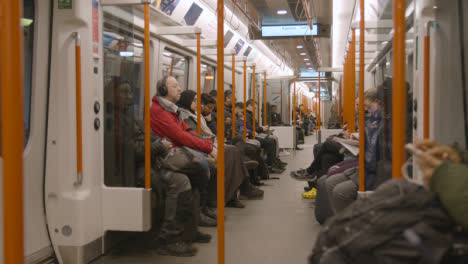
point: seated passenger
(179, 200)
(404, 215)
(268, 142)
(275, 116)
(445, 171)
(208, 103)
(165, 122)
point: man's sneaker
(302, 175)
(235, 203)
(202, 237)
(206, 221)
(178, 249)
(310, 194)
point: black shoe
(307, 188)
(302, 175)
(178, 249)
(202, 238)
(235, 203)
(298, 148)
(210, 213)
(251, 164)
(206, 221)
(253, 193)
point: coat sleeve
(450, 182)
(179, 135)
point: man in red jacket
(165, 122)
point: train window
(208, 78)
(175, 65)
(27, 23)
(123, 99)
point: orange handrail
(281, 98)
(245, 100)
(253, 109)
(220, 107)
(172, 66)
(361, 100)
(79, 129)
(340, 111)
(12, 135)
(426, 85)
(427, 93)
(199, 83)
(147, 100)
(399, 89)
(294, 103)
(264, 100)
(319, 100)
(233, 101)
(352, 91)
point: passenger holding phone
(445, 171)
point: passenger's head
(228, 97)
(239, 107)
(125, 93)
(371, 100)
(169, 89)
(214, 93)
(249, 105)
(274, 109)
(188, 100)
(208, 103)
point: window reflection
(123, 101)
(175, 65)
(207, 78)
(27, 23)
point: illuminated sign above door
(289, 30)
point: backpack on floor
(371, 229)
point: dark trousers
(269, 145)
(328, 154)
(179, 207)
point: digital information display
(289, 30)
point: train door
(36, 32)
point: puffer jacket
(167, 124)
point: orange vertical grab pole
(427, 63)
(220, 107)
(361, 100)
(147, 107)
(12, 135)
(294, 103)
(399, 90)
(199, 83)
(253, 109)
(233, 101)
(264, 100)
(245, 100)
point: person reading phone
(445, 171)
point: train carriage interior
(233, 131)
